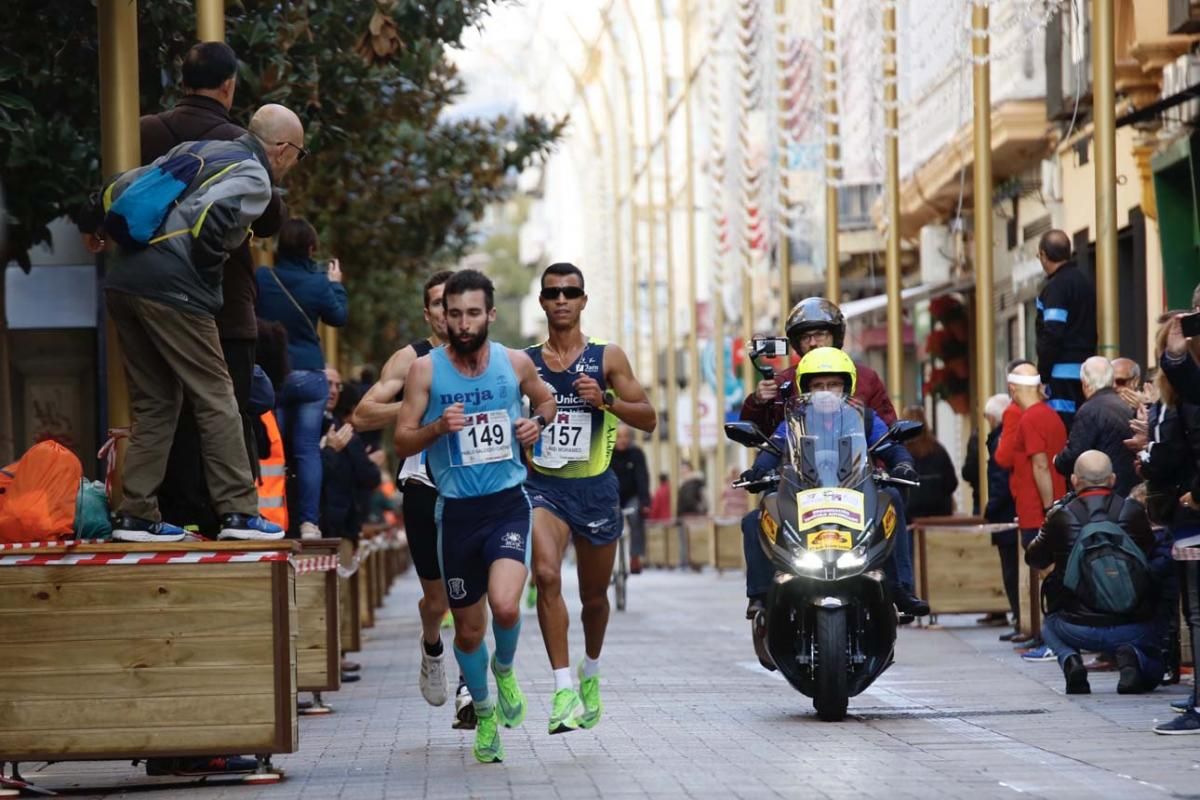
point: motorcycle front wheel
(831, 680)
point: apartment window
(854, 205)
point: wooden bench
(318, 644)
(130, 651)
(956, 566)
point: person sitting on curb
(1101, 593)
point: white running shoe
(464, 710)
(309, 530)
(435, 688)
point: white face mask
(826, 402)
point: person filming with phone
(300, 292)
(1178, 361)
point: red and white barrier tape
(10, 546)
(308, 564)
(108, 452)
(124, 559)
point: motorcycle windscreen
(827, 441)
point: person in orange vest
(272, 485)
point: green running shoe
(564, 715)
(531, 596)
(488, 748)
(589, 693)
(510, 703)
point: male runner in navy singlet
(462, 405)
(574, 493)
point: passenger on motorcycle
(828, 369)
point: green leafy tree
(393, 189)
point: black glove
(754, 474)
(906, 472)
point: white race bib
(568, 438)
(486, 438)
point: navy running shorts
(474, 533)
(591, 507)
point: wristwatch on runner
(540, 420)
(610, 398)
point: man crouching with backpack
(1101, 595)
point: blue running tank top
(579, 441)
(484, 457)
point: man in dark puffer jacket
(1101, 423)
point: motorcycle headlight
(853, 559)
(809, 561)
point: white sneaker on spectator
(309, 530)
(435, 687)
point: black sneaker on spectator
(1187, 722)
(1130, 681)
(127, 528)
(1076, 675)
(1009, 636)
(244, 526)
(993, 619)
(350, 677)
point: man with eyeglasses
(1066, 324)
(575, 496)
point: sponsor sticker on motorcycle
(830, 506)
(830, 540)
(889, 522)
(769, 527)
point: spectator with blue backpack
(1102, 594)
(175, 223)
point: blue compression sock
(474, 667)
(506, 643)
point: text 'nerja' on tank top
(414, 466)
(579, 441)
(484, 457)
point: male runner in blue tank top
(574, 493)
(462, 406)
(376, 411)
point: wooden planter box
(728, 552)
(318, 644)
(674, 544)
(656, 543)
(700, 541)
(1029, 590)
(351, 622)
(133, 660)
(956, 566)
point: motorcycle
(828, 625)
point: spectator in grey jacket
(162, 300)
(1101, 423)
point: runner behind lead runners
(462, 405)
(375, 411)
(574, 493)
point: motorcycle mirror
(904, 429)
(901, 431)
(747, 434)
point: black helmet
(815, 313)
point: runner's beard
(469, 344)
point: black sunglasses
(303, 153)
(569, 292)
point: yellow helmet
(826, 361)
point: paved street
(690, 714)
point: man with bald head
(1102, 423)
(1080, 605)
(163, 299)
(1066, 324)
